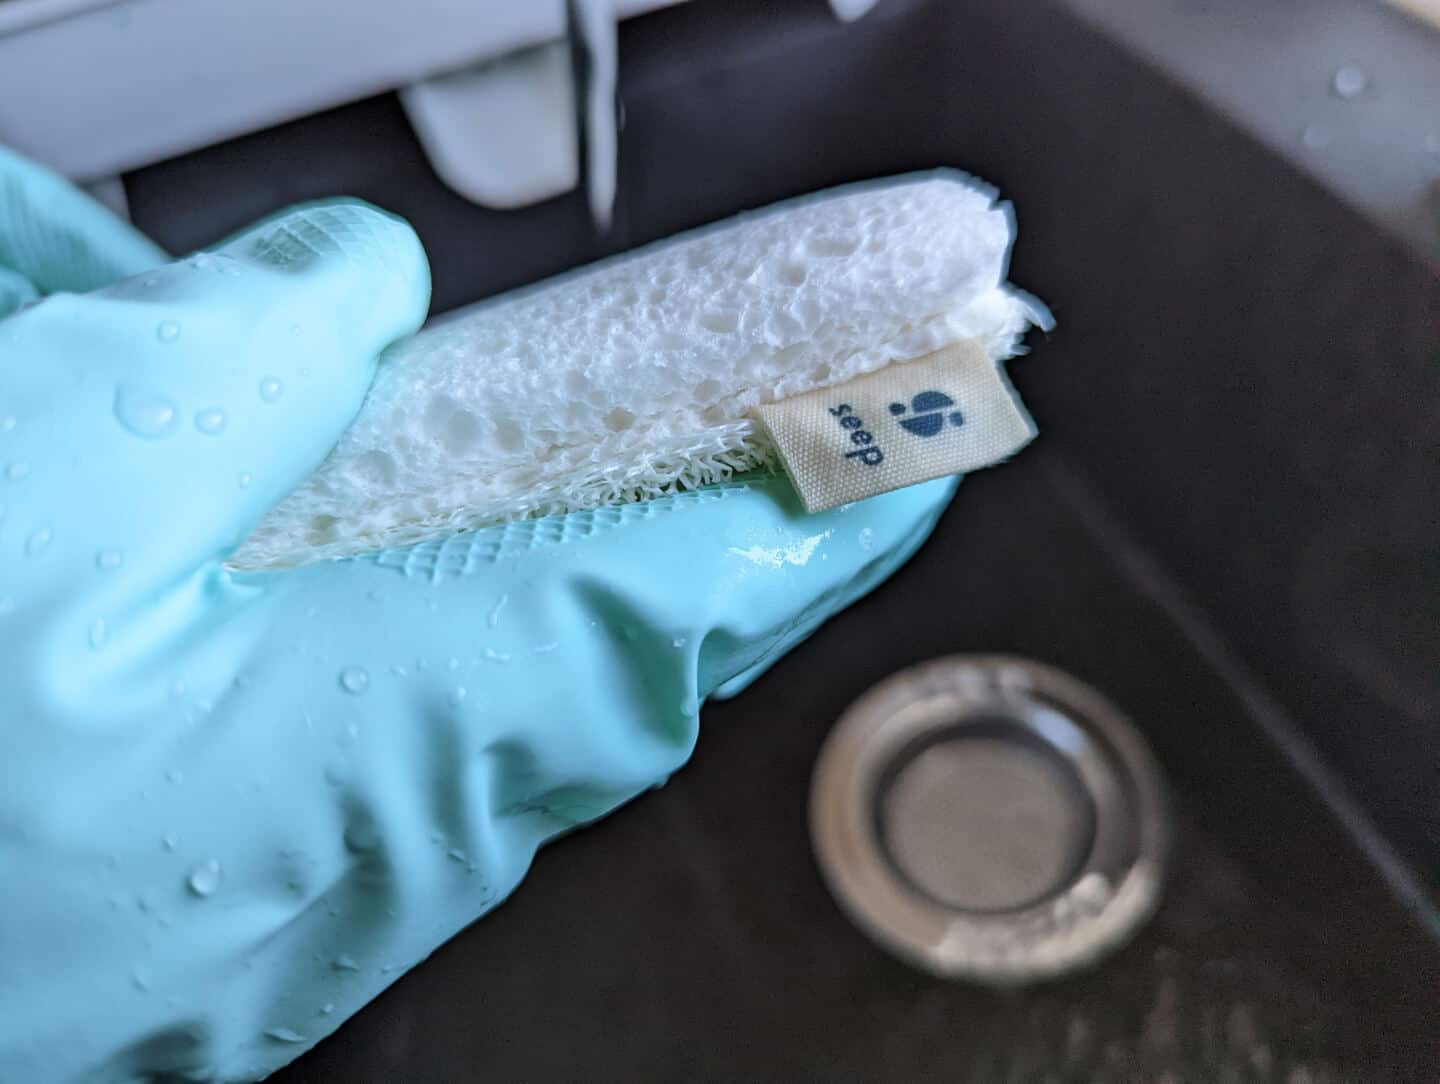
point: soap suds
(797, 553)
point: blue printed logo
(927, 413)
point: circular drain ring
(1102, 896)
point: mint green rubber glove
(233, 808)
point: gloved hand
(233, 808)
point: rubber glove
(234, 808)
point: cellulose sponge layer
(633, 378)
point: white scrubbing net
(632, 378)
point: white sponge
(632, 378)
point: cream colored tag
(946, 413)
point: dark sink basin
(1228, 525)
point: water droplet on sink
(38, 542)
(284, 1035)
(398, 670)
(679, 641)
(17, 471)
(345, 963)
(108, 560)
(457, 695)
(204, 878)
(139, 981)
(211, 421)
(452, 664)
(145, 413)
(327, 1008)
(245, 479)
(295, 329)
(99, 633)
(493, 618)
(354, 679)
(271, 389)
(168, 331)
(168, 841)
(7, 422)
(1349, 81)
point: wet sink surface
(1237, 432)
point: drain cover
(990, 818)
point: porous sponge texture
(633, 378)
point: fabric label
(946, 413)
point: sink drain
(990, 818)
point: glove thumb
(163, 415)
(54, 237)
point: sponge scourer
(633, 378)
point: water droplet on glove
(145, 413)
(204, 878)
(211, 421)
(354, 679)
